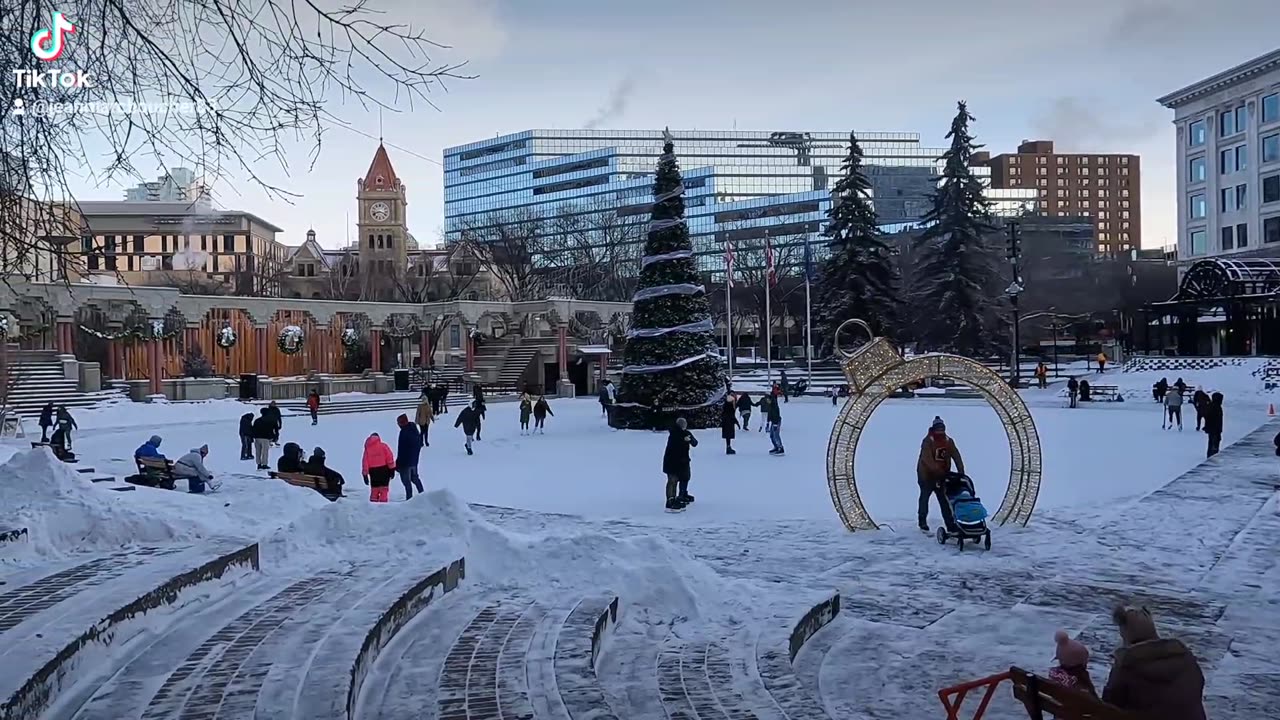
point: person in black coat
(264, 429)
(469, 421)
(246, 436)
(540, 412)
(1213, 423)
(728, 424)
(1073, 390)
(273, 411)
(676, 464)
(1200, 401)
(291, 459)
(315, 465)
(46, 421)
(744, 409)
(477, 395)
(408, 450)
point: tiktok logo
(48, 43)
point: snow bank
(64, 512)
(645, 569)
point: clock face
(380, 211)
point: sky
(1084, 74)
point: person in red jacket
(378, 466)
(313, 404)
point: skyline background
(1085, 76)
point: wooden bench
(1045, 699)
(314, 482)
(154, 472)
(1104, 392)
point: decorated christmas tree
(671, 367)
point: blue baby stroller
(968, 511)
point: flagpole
(728, 310)
(768, 315)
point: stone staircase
(37, 378)
(518, 359)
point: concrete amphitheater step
(58, 623)
(280, 648)
(496, 654)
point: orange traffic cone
(1271, 410)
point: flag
(768, 263)
(808, 262)
(728, 263)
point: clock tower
(382, 227)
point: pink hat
(1071, 653)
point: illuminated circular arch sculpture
(874, 372)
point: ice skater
(676, 465)
(246, 436)
(728, 424)
(1073, 391)
(1213, 423)
(1173, 410)
(469, 421)
(774, 416)
(744, 409)
(606, 398)
(540, 412)
(424, 416)
(313, 406)
(526, 410)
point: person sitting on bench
(316, 466)
(291, 460)
(149, 449)
(191, 466)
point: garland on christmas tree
(671, 366)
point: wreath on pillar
(290, 340)
(350, 339)
(226, 338)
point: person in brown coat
(1154, 678)
(937, 451)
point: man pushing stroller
(937, 451)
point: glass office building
(739, 185)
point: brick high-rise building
(1105, 187)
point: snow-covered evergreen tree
(671, 364)
(859, 279)
(956, 277)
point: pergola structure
(1224, 306)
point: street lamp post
(1014, 290)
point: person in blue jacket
(149, 449)
(408, 449)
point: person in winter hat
(1153, 677)
(1213, 423)
(469, 421)
(728, 424)
(773, 414)
(408, 450)
(937, 452)
(676, 464)
(1200, 401)
(191, 466)
(377, 465)
(1072, 669)
(273, 411)
(1073, 391)
(246, 436)
(65, 424)
(540, 412)
(1173, 409)
(290, 459)
(315, 465)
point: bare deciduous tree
(234, 82)
(506, 244)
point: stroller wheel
(942, 536)
(986, 541)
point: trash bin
(402, 379)
(248, 386)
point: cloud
(615, 105)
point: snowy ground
(761, 540)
